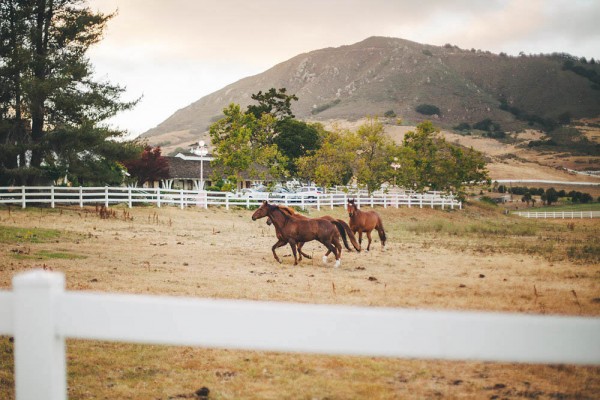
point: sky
(171, 53)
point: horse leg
(301, 252)
(293, 245)
(360, 239)
(368, 237)
(279, 243)
(330, 249)
(338, 247)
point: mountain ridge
(389, 75)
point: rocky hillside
(394, 76)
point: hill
(389, 76)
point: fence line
(52, 195)
(41, 315)
(558, 214)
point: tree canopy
(429, 162)
(274, 102)
(51, 110)
(424, 161)
(149, 166)
(243, 143)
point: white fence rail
(40, 315)
(53, 195)
(558, 214)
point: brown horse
(365, 221)
(342, 226)
(294, 230)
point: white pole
(40, 361)
(23, 198)
(201, 173)
(52, 196)
(106, 196)
(80, 197)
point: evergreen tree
(50, 107)
(274, 102)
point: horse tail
(381, 232)
(340, 228)
(350, 234)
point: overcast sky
(173, 52)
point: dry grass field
(471, 259)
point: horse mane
(287, 209)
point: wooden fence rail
(52, 195)
(41, 315)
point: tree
(274, 102)
(47, 96)
(331, 163)
(242, 143)
(295, 139)
(374, 154)
(428, 161)
(150, 166)
(550, 196)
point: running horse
(294, 230)
(345, 231)
(365, 221)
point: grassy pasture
(474, 259)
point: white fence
(547, 182)
(52, 195)
(558, 214)
(41, 314)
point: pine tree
(50, 107)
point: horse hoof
(324, 259)
(337, 263)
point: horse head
(262, 211)
(351, 208)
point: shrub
(389, 114)
(463, 126)
(428, 109)
(325, 106)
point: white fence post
(40, 361)
(52, 196)
(23, 197)
(129, 196)
(158, 197)
(106, 196)
(80, 197)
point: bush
(427, 109)
(325, 106)
(389, 114)
(463, 126)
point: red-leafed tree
(150, 166)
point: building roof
(180, 168)
(188, 169)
